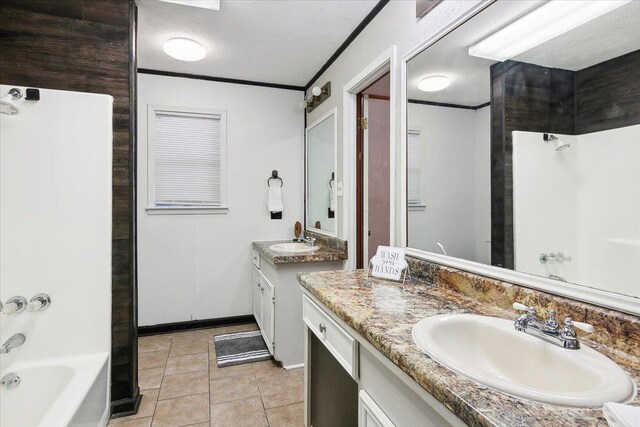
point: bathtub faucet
(16, 340)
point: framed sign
(388, 263)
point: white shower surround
(583, 201)
(55, 237)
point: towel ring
(333, 178)
(274, 175)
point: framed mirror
(523, 148)
(321, 183)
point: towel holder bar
(274, 175)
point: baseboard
(299, 365)
(125, 407)
(163, 328)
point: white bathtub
(57, 393)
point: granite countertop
(384, 312)
(322, 254)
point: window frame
(420, 206)
(152, 208)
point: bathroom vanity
(277, 296)
(364, 368)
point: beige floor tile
(286, 416)
(268, 369)
(229, 371)
(239, 413)
(189, 363)
(199, 334)
(150, 378)
(212, 351)
(199, 425)
(153, 343)
(152, 359)
(186, 347)
(138, 422)
(233, 388)
(182, 411)
(235, 328)
(281, 391)
(184, 385)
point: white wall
(583, 201)
(395, 25)
(199, 266)
(455, 181)
(55, 223)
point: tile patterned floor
(181, 385)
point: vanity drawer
(337, 340)
(256, 259)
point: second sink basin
(293, 248)
(490, 351)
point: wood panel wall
(608, 94)
(86, 46)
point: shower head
(558, 144)
(7, 106)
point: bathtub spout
(16, 340)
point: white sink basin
(293, 248)
(490, 351)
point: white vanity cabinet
(378, 393)
(277, 305)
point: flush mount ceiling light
(434, 83)
(548, 21)
(184, 49)
(204, 4)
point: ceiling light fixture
(434, 83)
(548, 21)
(184, 49)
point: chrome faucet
(311, 241)
(549, 330)
(16, 340)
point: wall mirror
(321, 146)
(523, 144)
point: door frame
(386, 62)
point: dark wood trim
(376, 9)
(380, 97)
(218, 79)
(164, 328)
(359, 183)
(444, 104)
(125, 407)
(119, 408)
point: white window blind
(188, 159)
(414, 168)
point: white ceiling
(606, 37)
(274, 41)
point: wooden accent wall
(528, 98)
(86, 46)
(608, 94)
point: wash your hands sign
(388, 263)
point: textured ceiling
(606, 37)
(275, 41)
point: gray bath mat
(240, 348)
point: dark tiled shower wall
(533, 98)
(86, 46)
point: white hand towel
(274, 200)
(619, 415)
(333, 202)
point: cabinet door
(268, 312)
(370, 414)
(257, 296)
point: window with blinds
(414, 169)
(188, 155)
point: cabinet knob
(322, 327)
